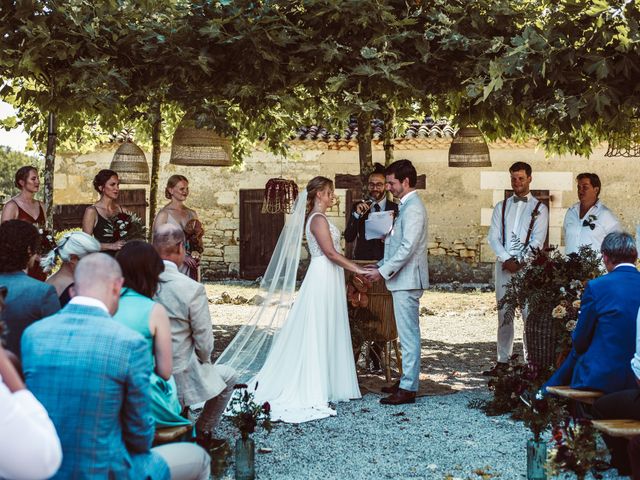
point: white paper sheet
(378, 224)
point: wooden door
(259, 234)
(543, 196)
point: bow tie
(517, 199)
(586, 223)
(376, 207)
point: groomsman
(370, 249)
(588, 221)
(404, 268)
(518, 225)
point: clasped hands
(371, 273)
(511, 265)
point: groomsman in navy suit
(404, 269)
(604, 340)
(370, 249)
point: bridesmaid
(25, 207)
(96, 220)
(177, 213)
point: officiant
(370, 249)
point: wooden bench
(618, 428)
(583, 396)
(172, 434)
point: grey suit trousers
(406, 307)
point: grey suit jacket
(404, 266)
(186, 303)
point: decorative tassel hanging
(279, 195)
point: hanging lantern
(469, 149)
(626, 143)
(130, 163)
(279, 195)
(193, 146)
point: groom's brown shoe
(401, 397)
(391, 388)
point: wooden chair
(172, 434)
(582, 396)
(379, 323)
(618, 428)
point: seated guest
(141, 268)
(27, 299)
(624, 404)
(604, 337)
(29, 444)
(92, 376)
(71, 248)
(186, 302)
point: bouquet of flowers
(47, 241)
(126, 226)
(246, 414)
(574, 448)
(194, 232)
(566, 313)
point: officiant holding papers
(356, 231)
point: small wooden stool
(172, 434)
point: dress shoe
(401, 397)
(392, 388)
(498, 369)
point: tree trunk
(365, 152)
(156, 123)
(388, 132)
(49, 167)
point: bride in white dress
(310, 360)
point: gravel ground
(440, 437)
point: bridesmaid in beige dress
(177, 213)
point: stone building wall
(459, 200)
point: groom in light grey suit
(404, 268)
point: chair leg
(386, 352)
(367, 355)
(396, 348)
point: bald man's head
(168, 240)
(99, 276)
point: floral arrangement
(246, 414)
(47, 241)
(357, 291)
(566, 312)
(194, 231)
(126, 226)
(574, 448)
(279, 195)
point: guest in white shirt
(519, 224)
(588, 221)
(29, 444)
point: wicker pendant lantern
(279, 195)
(469, 149)
(625, 143)
(193, 146)
(130, 164)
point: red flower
(266, 407)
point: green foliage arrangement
(574, 448)
(246, 414)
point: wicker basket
(376, 321)
(469, 149)
(541, 339)
(131, 165)
(199, 147)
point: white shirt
(404, 199)
(88, 302)
(517, 219)
(635, 361)
(576, 234)
(29, 444)
(382, 203)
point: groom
(404, 268)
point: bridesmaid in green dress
(141, 268)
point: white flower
(576, 304)
(571, 325)
(559, 312)
(563, 291)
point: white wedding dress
(311, 361)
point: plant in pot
(574, 448)
(246, 415)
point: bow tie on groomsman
(586, 223)
(517, 199)
(376, 207)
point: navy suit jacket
(92, 376)
(604, 340)
(28, 300)
(366, 249)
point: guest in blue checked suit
(92, 376)
(604, 339)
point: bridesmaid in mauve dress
(25, 207)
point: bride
(301, 352)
